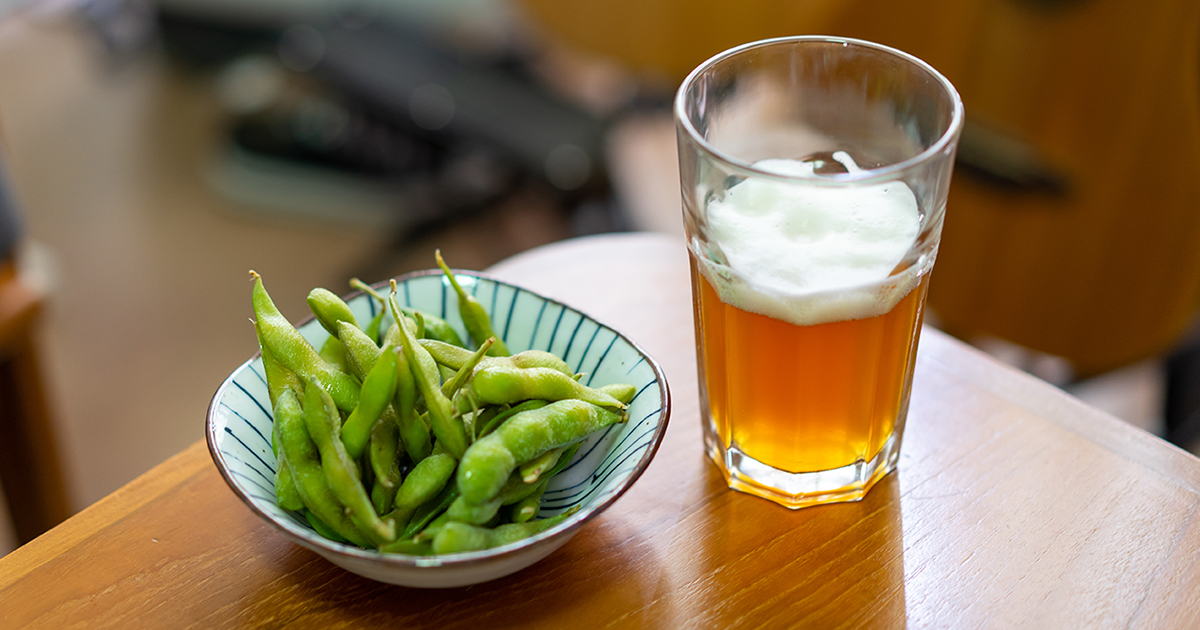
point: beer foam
(810, 254)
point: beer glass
(814, 173)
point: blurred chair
(30, 465)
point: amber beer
(804, 398)
(806, 323)
(814, 174)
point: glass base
(798, 490)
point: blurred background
(153, 152)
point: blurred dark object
(406, 78)
(1007, 162)
(328, 135)
(378, 104)
(30, 465)
(10, 218)
(125, 28)
(1182, 412)
(208, 41)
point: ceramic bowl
(238, 429)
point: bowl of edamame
(437, 430)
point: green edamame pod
(414, 433)
(623, 392)
(487, 464)
(447, 354)
(461, 537)
(302, 456)
(275, 435)
(456, 357)
(497, 384)
(329, 309)
(375, 328)
(396, 336)
(377, 390)
(540, 358)
(506, 534)
(474, 317)
(482, 418)
(278, 377)
(321, 528)
(524, 510)
(420, 331)
(532, 470)
(461, 511)
(425, 481)
(361, 351)
(324, 425)
(294, 352)
(432, 529)
(286, 494)
(447, 427)
(369, 290)
(463, 372)
(383, 454)
(381, 498)
(363, 354)
(526, 497)
(409, 547)
(430, 510)
(503, 416)
(515, 489)
(435, 327)
(564, 460)
(334, 354)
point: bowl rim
(463, 559)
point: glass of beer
(814, 173)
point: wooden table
(1014, 505)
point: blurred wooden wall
(1074, 228)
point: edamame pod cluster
(399, 436)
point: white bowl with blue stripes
(238, 428)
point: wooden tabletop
(1013, 505)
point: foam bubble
(810, 254)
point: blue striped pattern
(239, 424)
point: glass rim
(864, 176)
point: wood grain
(1014, 504)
